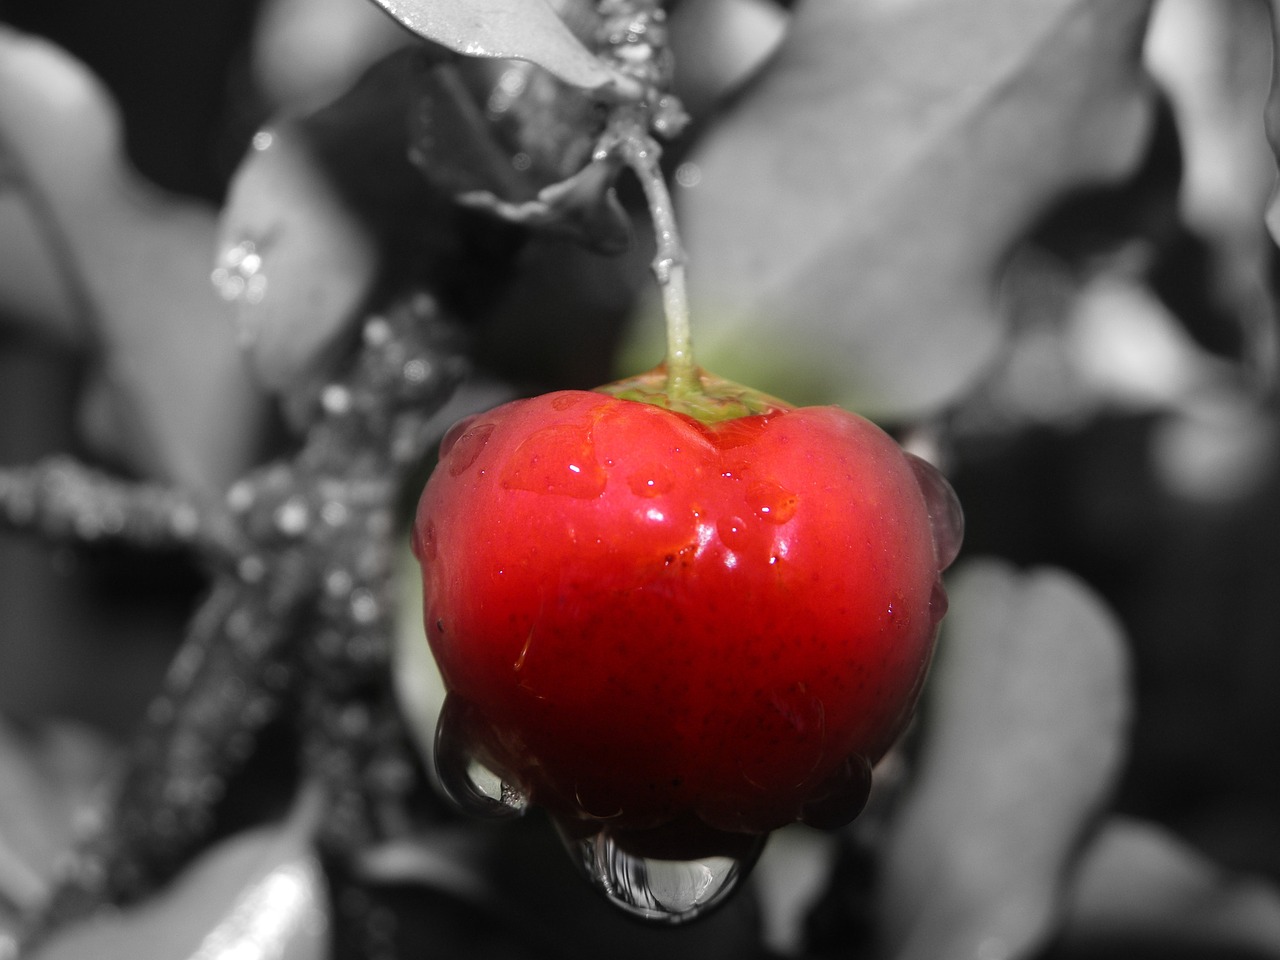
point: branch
(63, 499)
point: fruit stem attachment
(641, 153)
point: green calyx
(703, 396)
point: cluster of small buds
(632, 36)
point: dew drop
(771, 501)
(559, 459)
(661, 891)
(336, 399)
(424, 542)
(841, 797)
(463, 443)
(652, 481)
(471, 785)
(733, 532)
(564, 401)
(292, 517)
(945, 514)
(452, 435)
(938, 601)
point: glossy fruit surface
(683, 630)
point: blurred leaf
(1213, 60)
(853, 212)
(309, 51)
(506, 29)
(135, 267)
(1272, 125)
(260, 895)
(332, 209)
(1024, 730)
(30, 284)
(48, 778)
(293, 257)
(718, 45)
(1139, 883)
(524, 157)
(796, 867)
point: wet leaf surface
(1023, 733)
(49, 779)
(176, 399)
(260, 894)
(852, 214)
(508, 29)
(1139, 883)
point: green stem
(641, 154)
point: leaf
(1272, 125)
(293, 258)
(508, 29)
(852, 214)
(259, 894)
(30, 284)
(1024, 731)
(48, 778)
(527, 161)
(1212, 59)
(1138, 883)
(179, 404)
(310, 51)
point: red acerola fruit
(678, 629)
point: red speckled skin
(660, 620)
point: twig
(63, 499)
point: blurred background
(1122, 427)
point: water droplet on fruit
(454, 432)
(559, 459)
(652, 481)
(463, 449)
(661, 891)
(471, 785)
(733, 532)
(563, 401)
(424, 541)
(945, 514)
(938, 601)
(772, 501)
(841, 797)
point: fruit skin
(651, 620)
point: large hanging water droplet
(470, 784)
(658, 890)
(945, 514)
